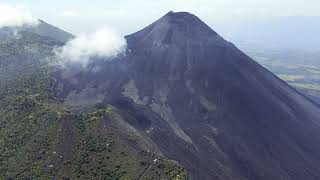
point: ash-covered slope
(203, 103)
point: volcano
(179, 92)
(204, 103)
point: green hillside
(42, 139)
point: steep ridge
(203, 103)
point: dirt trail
(154, 162)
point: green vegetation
(29, 121)
(101, 153)
(302, 76)
(42, 139)
(170, 169)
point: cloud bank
(102, 43)
(11, 16)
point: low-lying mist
(103, 43)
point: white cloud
(102, 43)
(15, 16)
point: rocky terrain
(203, 103)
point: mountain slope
(47, 30)
(42, 139)
(42, 29)
(203, 103)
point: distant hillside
(47, 30)
(42, 29)
(278, 32)
(287, 46)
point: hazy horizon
(129, 16)
(290, 24)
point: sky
(128, 16)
